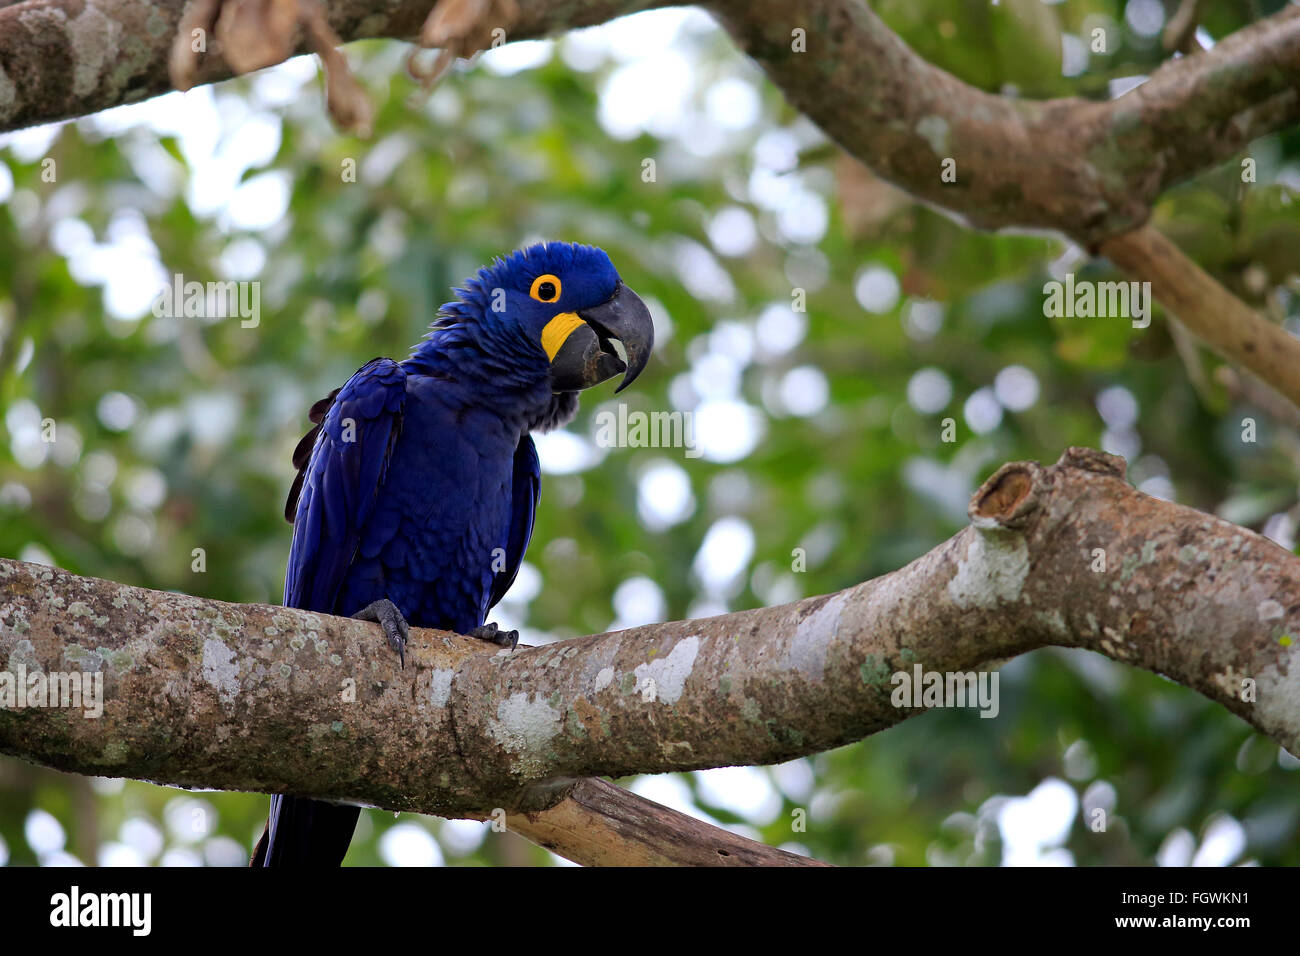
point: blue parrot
(417, 487)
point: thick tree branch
(251, 697)
(66, 58)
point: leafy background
(819, 430)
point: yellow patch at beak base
(557, 330)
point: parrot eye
(545, 288)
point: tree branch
(66, 58)
(599, 824)
(1087, 169)
(199, 693)
(1207, 309)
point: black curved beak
(587, 357)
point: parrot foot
(385, 613)
(494, 635)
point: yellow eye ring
(546, 288)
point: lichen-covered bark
(250, 697)
(65, 58)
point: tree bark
(199, 693)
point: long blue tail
(303, 832)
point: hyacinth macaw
(419, 472)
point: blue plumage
(420, 482)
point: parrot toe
(385, 613)
(494, 635)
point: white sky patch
(462, 837)
(922, 319)
(773, 190)
(1033, 827)
(1016, 388)
(734, 340)
(929, 390)
(31, 144)
(243, 258)
(629, 38)
(189, 819)
(1121, 85)
(23, 421)
(876, 289)
(745, 791)
(803, 217)
(223, 851)
(114, 853)
(664, 497)
(561, 452)
(779, 328)
(647, 95)
(211, 417)
(804, 390)
(1146, 17)
(1117, 407)
(179, 856)
(516, 57)
(724, 554)
(732, 231)
(1222, 844)
(409, 844)
(982, 411)
(117, 411)
(637, 601)
(142, 836)
(43, 832)
(777, 150)
(795, 778)
(702, 274)
(727, 430)
(259, 203)
(714, 375)
(282, 84)
(1176, 849)
(1074, 55)
(733, 103)
(527, 585)
(584, 51)
(672, 792)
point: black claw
(385, 613)
(494, 635)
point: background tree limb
(253, 697)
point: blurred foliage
(175, 434)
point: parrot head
(553, 311)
